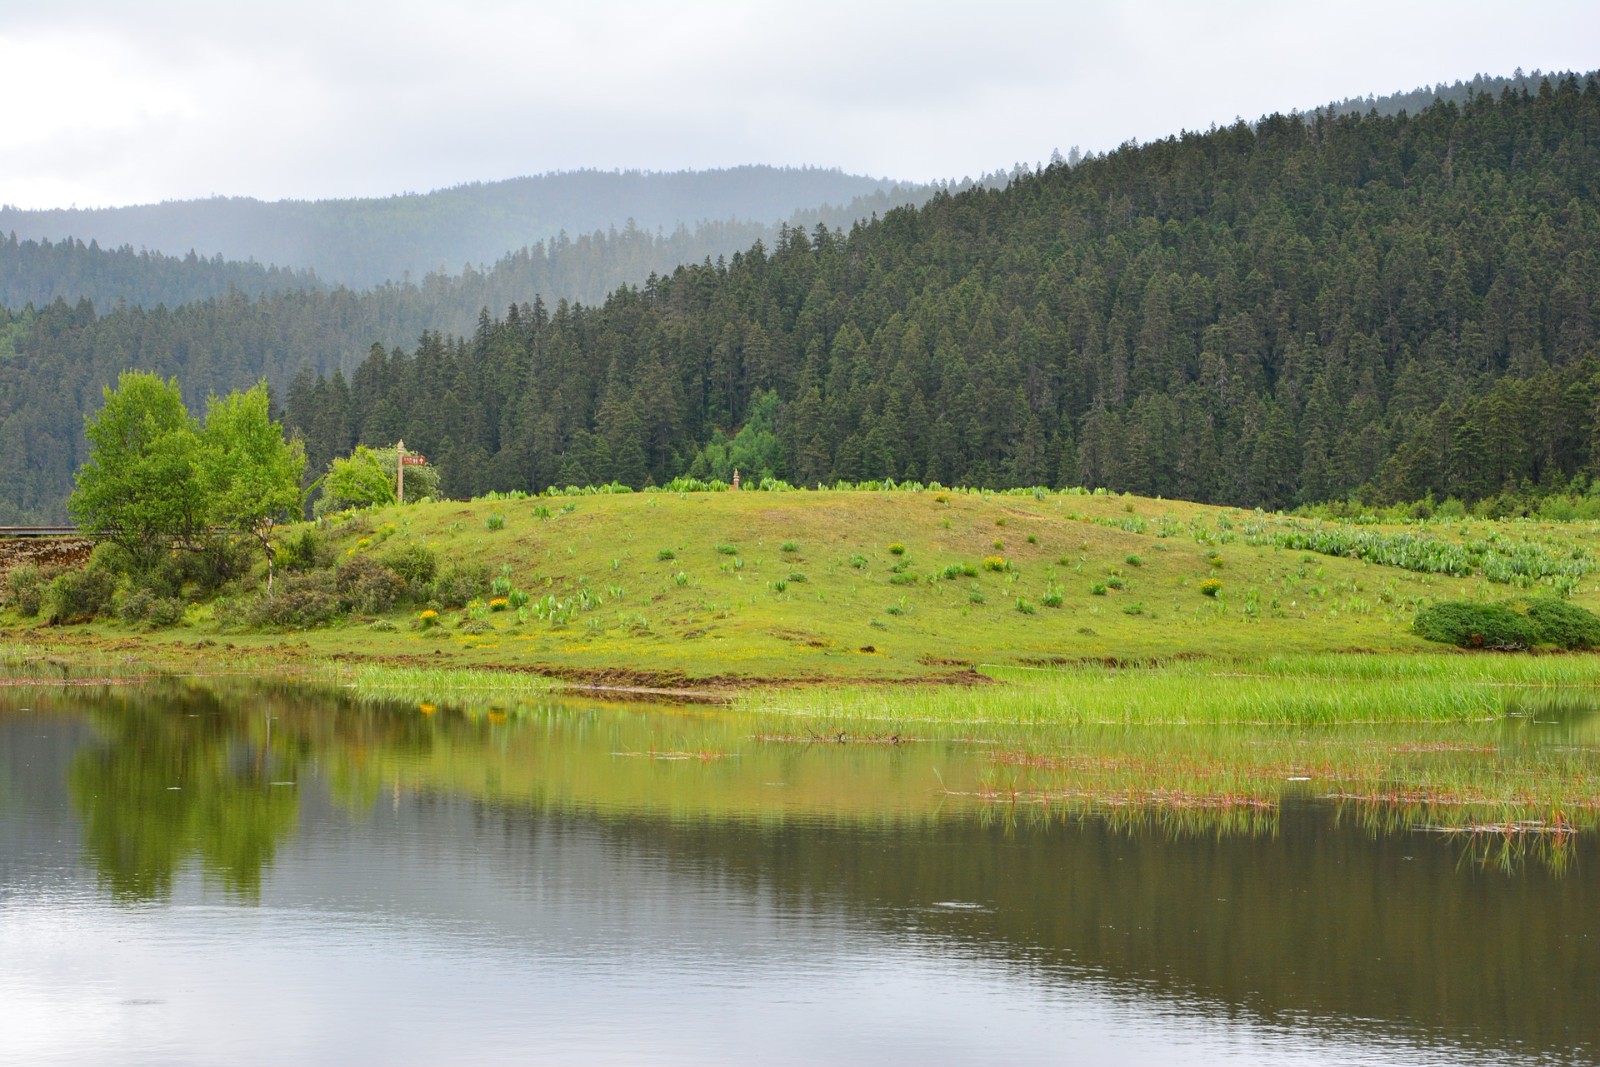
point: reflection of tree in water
(176, 775)
(188, 770)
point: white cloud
(125, 103)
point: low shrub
(79, 595)
(364, 585)
(1466, 624)
(1564, 625)
(141, 605)
(417, 566)
(459, 583)
(304, 551)
(166, 611)
(1211, 586)
(216, 563)
(25, 588)
(299, 601)
(133, 605)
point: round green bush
(25, 588)
(1564, 625)
(367, 586)
(80, 595)
(300, 601)
(1471, 625)
(416, 565)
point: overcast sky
(112, 102)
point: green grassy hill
(895, 584)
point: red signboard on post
(413, 461)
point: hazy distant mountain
(364, 242)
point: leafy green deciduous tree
(355, 481)
(155, 480)
(138, 488)
(249, 475)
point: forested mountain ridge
(581, 270)
(1287, 311)
(366, 242)
(1291, 311)
(1456, 92)
(41, 272)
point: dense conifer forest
(1296, 310)
(1263, 315)
(42, 272)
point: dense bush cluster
(362, 584)
(311, 589)
(1509, 626)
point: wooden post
(400, 472)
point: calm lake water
(197, 876)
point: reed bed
(1298, 690)
(23, 665)
(434, 685)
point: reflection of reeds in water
(1173, 816)
(704, 755)
(1501, 840)
(838, 737)
(1500, 790)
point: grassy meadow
(720, 588)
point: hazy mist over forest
(364, 242)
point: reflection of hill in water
(1318, 920)
(1313, 917)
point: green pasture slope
(897, 584)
